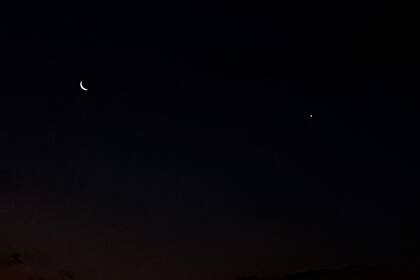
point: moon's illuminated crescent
(82, 87)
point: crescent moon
(82, 87)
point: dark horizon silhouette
(14, 268)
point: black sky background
(193, 155)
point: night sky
(214, 142)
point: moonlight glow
(82, 87)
